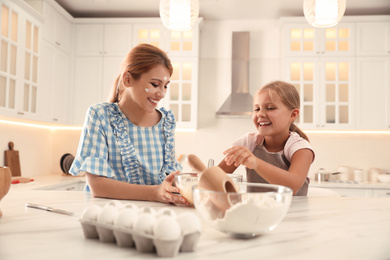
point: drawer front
(381, 193)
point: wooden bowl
(5, 182)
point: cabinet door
(373, 38)
(304, 40)
(56, 28)
(60, 88)
(337, 93)
(183, 44)
(155, 34)
(111, 70)
(182, 94)
(381, 192)
(326, 90)
(373, 79)
(89, 39)
(87, 86)
(117, 39)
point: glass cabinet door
(181, 96)
(153, 34)
(325, 87)
(30, 88)
(336, 92)
(8, 60)
(304, 40)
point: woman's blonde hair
(139, 60)
(290, 98)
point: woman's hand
(240, 155)
(166, 190)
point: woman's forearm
(108, 188)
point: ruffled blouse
(106, 148)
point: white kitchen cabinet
(326, 88)
(103, 39)
(56, 28)
(301, 39)
(373, 38)
(99, 55)
(320, 63)
(55, 81)
(381, 192)
(373, 97)
(20, 53)
(153, 33)
(92, 85)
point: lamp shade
(324, 13)
(179, 15)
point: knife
(47, 208)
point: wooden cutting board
(11, 160)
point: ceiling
(214, 9)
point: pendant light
(179, 15)
(324, 13)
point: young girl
(127, 145)
(280, 152)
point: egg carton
(144, 229)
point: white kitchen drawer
(381, 192)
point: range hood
(239, 103)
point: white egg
(91, 213)
(189, 222)
(165, 211)
(114, 203)
(144, 223)
(107, 215)
(148, 210)
(125, 218)
(131, 206)
(167, 228)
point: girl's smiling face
(270, 115)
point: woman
(127, 145)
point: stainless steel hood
(239, 103)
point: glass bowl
(185, 182)
(254, 210)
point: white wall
(41, 149)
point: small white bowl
(384, 177)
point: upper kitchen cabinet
(57, 29)
(103, 39)
(373, 92)
(100, 49)
(20, 53)
(300, 39)
(373, 38)
(326, 88)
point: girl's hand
(240, 155)
(166, 190)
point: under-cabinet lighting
(42, 126)
(56, 127)
(347, 131)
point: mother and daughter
(126, 148)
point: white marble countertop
(350, 184)
(314, 228)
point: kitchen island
(314, 228)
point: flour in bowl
(254, 214)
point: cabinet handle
(55, 119)
(20, 113)
(58, 43)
